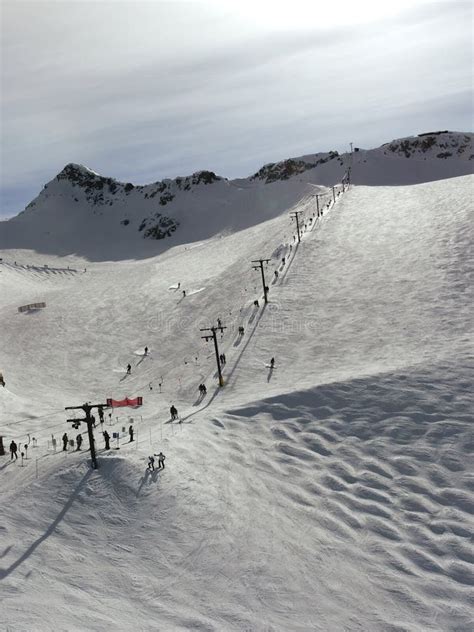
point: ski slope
(335, 492)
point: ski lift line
(307, 203)
(20, 421)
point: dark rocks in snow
(286, 169)
(158, 227)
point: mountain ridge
(82, 212)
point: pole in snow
(296, 215)
(317, 196)
(260, 267)
(213, 336)
(88, 419)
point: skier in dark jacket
(272, 363)
(78, 441)
(130, 432)
(129, 369)
(174, 413)
(13, 450)
(101, 415)
(65, 440)
(161, 460)
(106, 436)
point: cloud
(149, 90)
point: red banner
(133, 402)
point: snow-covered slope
(81, 212)
(334, 492)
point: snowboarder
(151, 462)
(146, 351)
(65, 441)
(78, 441)
(129, 369)
(106, 439)
(130, 432)
(272, 363)
(13, 450)
(161, 460)
(174, 413)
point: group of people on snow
(173, 412)
(161, 461)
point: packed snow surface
(333, 492)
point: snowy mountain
(332, 492)
(100, 218)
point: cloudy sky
(145, 90)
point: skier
(255, 303)
(129, 369)
(130, 432)
(179, 285)
(219, 322)
(151, 462)
(241, 331)
(272, 363)
(13, 450)
(276, 274)
(101, 415)
(283, 260)
(223, 358)
(184, 293)
(78, 441)
(146, 351)
(161, 460)
(204, 389)
(174, 413)
(2, 381)
(106, 439)
(65, 440)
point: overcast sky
(140, 91)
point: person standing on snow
(13, 450)
(146, 351)
(272, 363)
(129, 369)
(65, 441)
(161, 460)
(151, 462)
(78, 441)
(174, 413)
(130, 432)
(106, 439)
